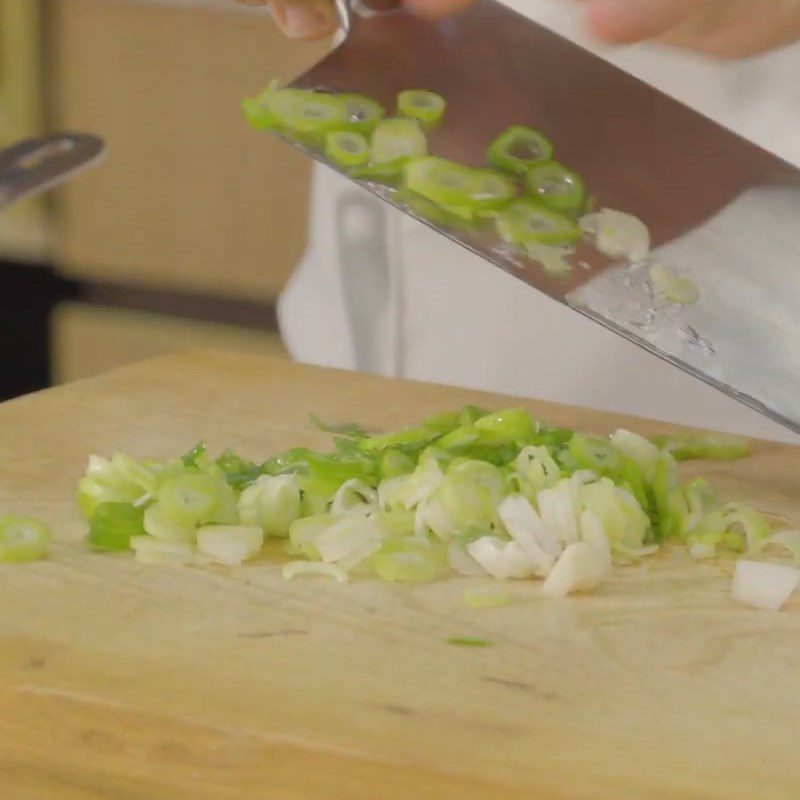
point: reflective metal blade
(720, 210)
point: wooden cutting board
(125, 682)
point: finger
(304, 19)
(625, 21)
(434, 9)
(739, 29)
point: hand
(316, 19)
(722, 28)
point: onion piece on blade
(673, 287)
(617, 234)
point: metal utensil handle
(35, 165)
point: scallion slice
(113, 524)
(673, 287)
(557, 187)
(407, 560)
(149, 550)
(439, 180)
(519, 148)
(460, 190)
(427, 107)
(525, 222)
(396, 140)
(685, 447)
(362, 112)
(347, 148)
(22, 540)
(491, 189)
(192, 498)
(229, 544)
(299, 111)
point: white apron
(379, 292)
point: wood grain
(123, 682)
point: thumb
(304, 19)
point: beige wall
(189, 198)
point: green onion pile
(534, 204)
(466, 492)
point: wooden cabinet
(189, 198)
(191, 209)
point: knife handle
(34, 165)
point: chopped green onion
(113, 524)
(192, 498)
(296, 111)
(149, 550)
(427, 107)
(764, 586)
(455, 217)
(525, 222)
(557, 187)
(343, 428)
(617, 234)
(229, 544)
(468, 641)
(444, 182)
(552, 258)
(491, 189)
(519, 148)
(191, 457)
(162, 525)
(478, 492)
(347, 148)
(22, 540)
(272, 504)
(514, 423)
(362, 112)
(396, 140)
(715, 446)
(408, 561)
(458, 189)
(238, 471)
(116, 480)
(581, 567)
(304, 532)
(303, 111)
(672, 287)
(379, 173)
(395, 463)
(471, 492)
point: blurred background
(187, 232)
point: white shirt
(380, 292)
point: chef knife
(721, 211)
